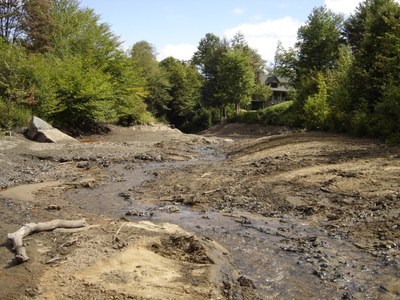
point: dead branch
(30, 228)
(119, 229)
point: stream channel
(286, 258)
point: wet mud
(303, 215)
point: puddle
(285, 257)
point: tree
(14, 95)
(143, 56)
(236, 79)
(319, 40)
(11, 15)
(318, 50)
(338, 87)
(80, 32)
(38, 25)
(373, 33)
(316, 109)
(206, 59)
(185, 92)
(285, 63)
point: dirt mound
(236, 130)
(302, 214)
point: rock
(83, 165)
(43, 132)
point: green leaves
(184, 91)
(316, 109)
(236, 79)
(319, 40)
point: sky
(175, 27)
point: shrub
(279, 114)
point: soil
(239, 212)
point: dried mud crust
(345, 192)
(325, 207)
(113, 259)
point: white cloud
(179, 51)
(264, 36)
(238, 11)
(346, 7)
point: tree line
(60, 62)
(346, 72)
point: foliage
(202, 120)
(14, 96)
(206, 59)
(339, 99)
(319, 40)
(385, 122)
(316, 109)
(261, 91)
(236, 79)
(185, 87)
(143, 57)
(285, 62)
(318, 46)
(279, 114)
(38, 25)
(374, 35)
(58, 61)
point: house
(280, 88)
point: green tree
(318, 46)
(143, 56)
(14, 90)
(38, 25)
(185, 92)
(11, 16)
(376, 45)
(374, 35)
(236, 79)
(338, 87)
(206, 59)
(319, 40)
(80, 32)
(316, 109)
(285, 63)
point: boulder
(43, 132)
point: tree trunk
(29, 228)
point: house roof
(277, 79)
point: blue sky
(175, 27)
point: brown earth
(240, 212)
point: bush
(316, 108)
(201, 121)
(385, 122)
(248, 117)
(279, 114)
(14, 116)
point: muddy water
(286, 258)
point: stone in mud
(41, 131)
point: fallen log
(29, 228)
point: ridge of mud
(309, 215)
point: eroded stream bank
(287, 255)
(304, 216)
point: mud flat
(241, 212)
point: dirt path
(294, 214)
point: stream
(284, 257)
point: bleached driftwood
(29, 228)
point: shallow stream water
(286, 258)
